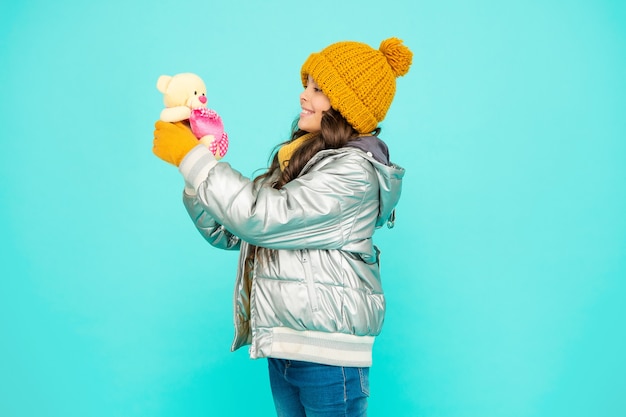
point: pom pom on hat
(398, 55)
(359, 81)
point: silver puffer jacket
(308, 284)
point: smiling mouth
(306, 112)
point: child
(308, 294)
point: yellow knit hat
(359, 81)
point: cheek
(322, 104)
(326, 105)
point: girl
(308, 294)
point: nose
(202, 99)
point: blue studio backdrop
(505, 273)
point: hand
(172, 141)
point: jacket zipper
(308, 276)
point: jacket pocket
(308, 279)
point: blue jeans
(305, 389)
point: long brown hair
(335, 132)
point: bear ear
(163, 82)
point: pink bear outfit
(205, 122)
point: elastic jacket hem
(336, 349)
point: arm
(315, 211)
(212, 231)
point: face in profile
(314, 103)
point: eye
(195, 93)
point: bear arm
(175, 114)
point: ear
(163, 82)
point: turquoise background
(505, 273)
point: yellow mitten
(172, 141)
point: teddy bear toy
(184, 96)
